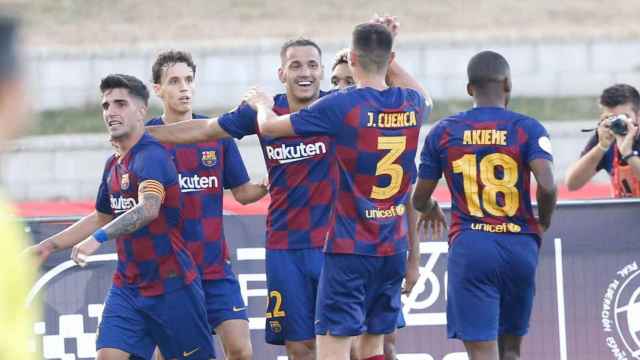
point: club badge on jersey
(124, 181)
(209, 158)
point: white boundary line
(562, 327)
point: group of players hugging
(346, 204)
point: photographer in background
(618, 125)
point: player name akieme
(485, 137)
(392, 120)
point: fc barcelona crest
(124, 182)
(209, 158)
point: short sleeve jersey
(204, 170)
(152, 259)
(484, 154)
(376, 136)
(302, 179)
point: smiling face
(301, 72)
(176, 88)
(122, 113)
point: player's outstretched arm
(269, 123)
(69, 236)
(546, 193)
(151, 195)
(188, 132)
(249, 192)
(431, 216)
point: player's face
(176, 88)
(122, 113)
(302, 72)
(341, 77)
(624, 109)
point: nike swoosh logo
(187, 354)
(317, 322)
(236, 309)
(286, 161)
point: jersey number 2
(468, 167)
(386, 166)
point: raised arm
(269, 123)
(580, 172)
(188, 132)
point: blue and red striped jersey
(154, 258)
(204, 170)
(302, 178)
(484, 154)
(376, 136)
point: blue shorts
(491, 284)
(223, 301)
(292, 283)
(175, 321)
(360, 294)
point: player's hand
(605, 135)
(433, 220)
(81, 252)
(544, 224)
(40, 252)
(256, 97)
(390, 22)
(411, 277)
(625, 142)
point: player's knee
(510, 355)
(240, 353)
(301, 350)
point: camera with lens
(618, 125)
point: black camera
(618, 125)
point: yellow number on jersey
(277, 311)
(386, 166)
(467, 166)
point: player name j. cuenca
(285, 153)
(392, 120)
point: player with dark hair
(487, 154)
(156, 296)
(622, 162)
(341, 76)
(374, 133)
(204, 169)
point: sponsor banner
(587, 304)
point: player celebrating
(220, 164)
(156, 296)
(341, 76)
(374, 131)
(487, 154)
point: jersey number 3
(468, 167)
(386, 166)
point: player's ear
(507, 85)
(392, 57)
(281, 75)
(469, 89)
(352, 58)
(156, 89)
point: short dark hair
(299, 42)
(8, 47)
(372, 43)
(620, 94)
(487, 67)
(167, 58)
(121, 81)
(342, 57)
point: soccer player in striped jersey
(374, 131)
(204, 170)
(487, 155)
(156, 296)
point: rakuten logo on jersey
(287, 153)
(122, 204)
(197, 183)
